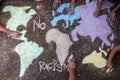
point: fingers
(55, 4)
(71, 9)
(111, 18)
(97, 13)
(109, 65)
(19, 34)
(15, 34)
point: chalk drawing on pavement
(62, 41)
(66, 17)
(92, 26)
(27, 50)
(96, 59)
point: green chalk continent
(18, 16)
(28, 51)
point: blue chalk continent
(66, 17)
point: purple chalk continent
(92, 26)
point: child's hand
(71, 9)
(56, 4)
(111, 18)
(71, 65)
(109, 64)
(97, 13)
(15, 34)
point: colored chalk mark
(62, 41)
(53, 13)
(18, 16)
(93, 26)
(28, 51)
(109, 70)
(66, 17)
(96, 59)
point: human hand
(71, 64)
(56, 4)
(109, 64)
(15, 34)
(112, 18)
(71, 9)
(97, 13)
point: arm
(113, 52)
(72, 70)
(12, 33)
(98, 10)
(56, 3)
(111, 17)
(72, 2)
(2, 29)
(117, 8)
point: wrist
(114, 11)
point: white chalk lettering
(41, 64)
(40, 25)
(52, 66)
(58, 68)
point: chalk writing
(92, 26)
(96, 59)
(40, 25)
(62, 41)
(52, 66)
